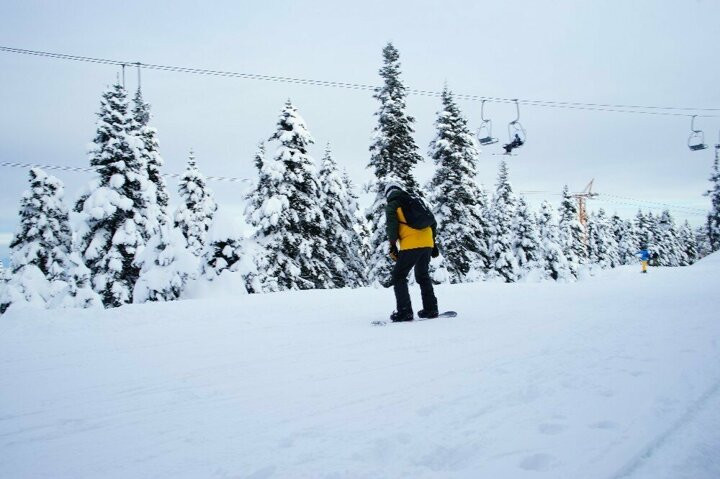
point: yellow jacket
(411, 238)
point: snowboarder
(644, 255)
(417, 246)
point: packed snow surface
(617, 376)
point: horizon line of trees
(120, 243)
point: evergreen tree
(195, 214)
(572, 237)
(114, 209)
(339, 208)
(41, 250)
(504, 263)
(229, 250)
(653, 233)
(393, 155)
(626, 239)
(527, 239)
(667, 245)
(260, 191)
(157, 195)
(44, 238)
(290, 221)
(602, 247)
(713, 218)
(553, 259)
(463, 230)
(167, 266)
(702, 242)
(688, 244)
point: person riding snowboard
(411, 224)
(644, 256)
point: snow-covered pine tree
(702, 242)
(393, 155)
(652, 234)
(713, 218)
(259, 192)
(157, 201)
(195, 214)
(463, 230)
(602, 246)
(339, 208)
(553, 259)
(626, 239)
(289, 221)
(44, 238)
(114, 208)
(667, 245)
(167, 266)
(360, 227)
(571, 233)
(688, 243)
(44, 242)
(504, 263)
(527, 240)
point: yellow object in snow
(410, 238)
(644, 266)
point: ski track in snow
(614, 377)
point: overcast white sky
(640, 52)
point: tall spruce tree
(572, 237)
(43, 244)
(688, 243)
(339, 208)
(553, 259)
(157, 201)
(115, 207)
(527, 238)
(504, 262)
(463, 229)
(602, 246)
(626, 238)
(290, 223)
(667, 245)
(44, 238)
(195, 215)
(713, 218)
(393, 155)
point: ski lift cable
(637, 203)
(655, 203)
(79, 169)
(606, 107)
(675, 208)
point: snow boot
(399, 316)
(429, 314)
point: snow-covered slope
(616, 376)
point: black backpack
(416, 212)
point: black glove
(393, 251)
(435, 252)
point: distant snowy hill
(616, 376)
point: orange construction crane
(581, 197)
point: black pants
(419, 259)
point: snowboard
(446, 314)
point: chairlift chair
(484, 133)
(516, 133)
(696, 140)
